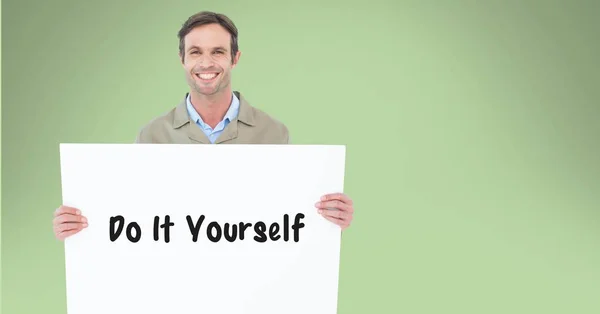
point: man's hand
(337, 208)
(67, 222)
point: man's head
(208, 49)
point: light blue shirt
(211, 133)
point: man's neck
(213, 108)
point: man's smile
(207, 77)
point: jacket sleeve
(141, 138)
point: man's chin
(207, 91)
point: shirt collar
(231, 113)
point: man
(211, 113)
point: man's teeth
(207, 76)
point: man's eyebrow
(215, 48)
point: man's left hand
(337, 208)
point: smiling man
(212, 113)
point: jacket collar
(245, 114)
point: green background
(472, 134)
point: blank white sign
(287, 260)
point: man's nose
(205, 60)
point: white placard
(287, 261)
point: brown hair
(205, 18)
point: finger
(335, 220)
(58, 233)
(70, 226)
(335, 214)
(337, 196)
(64, 218)
(65, 234)
(335, 204)
(66, 210)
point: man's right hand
(68, 221)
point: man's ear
(236, 59)
(181, 58)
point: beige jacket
(252, 126)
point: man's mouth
(207, 77)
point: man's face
(207, 59)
